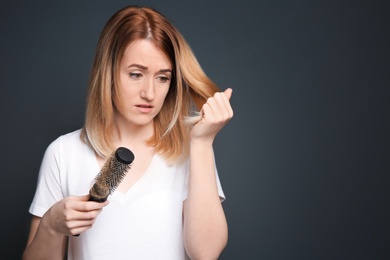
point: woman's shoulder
(68, 138)
(71, 136)
(68, 142)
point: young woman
(144, 88)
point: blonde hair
(189, 89)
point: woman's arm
(70, 216)
(205, 226)
(42, 244)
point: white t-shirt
(143, 223)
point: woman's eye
(163, 79)
(135, 75)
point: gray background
(305, 161)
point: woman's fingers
(216, 112)
(86, 206)
(218, 108)
(228, 93)
(73, 214)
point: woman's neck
(129, 135)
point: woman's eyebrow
(166, 70)
(145, 68)
(137, 66)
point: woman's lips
(144, 108)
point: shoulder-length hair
(189, 88)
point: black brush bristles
(111, 174)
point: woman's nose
(148, 90)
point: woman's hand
(72, 215)
(216, 112)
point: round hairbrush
(111, 174)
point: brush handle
(96, 199)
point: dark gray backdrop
(304, 162)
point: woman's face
(145, 75)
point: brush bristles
(108, 179)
